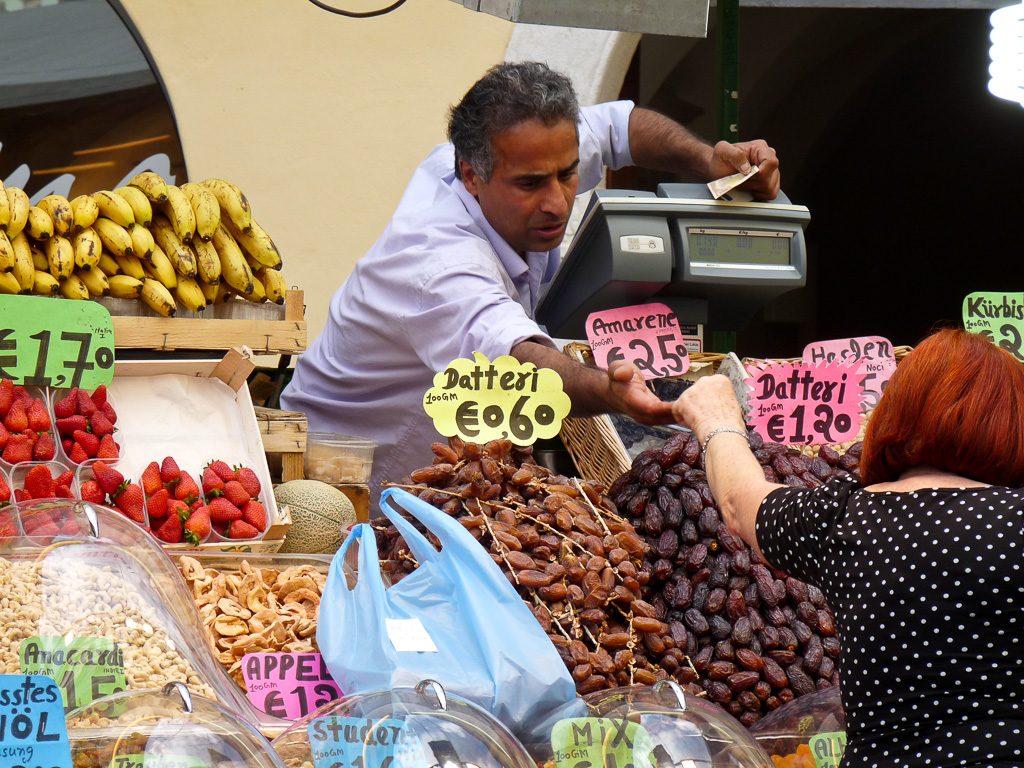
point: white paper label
(409, 635)
(642, 244)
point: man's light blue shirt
(439, 284)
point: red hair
(955, 403)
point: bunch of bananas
(193, 245)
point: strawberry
(213, 485)
(151, 482)
(169, 471)
(249, 481)
(39, 482)
(6, 396)
(91, 491)
(110, 479)
(197, 527)
(236, 493)
(157, 504)
(70, 527)
(186, 490)
(77, 454)
(67, 425)
(100, 425)
(5, 490)
(44, 448)
(62, 491)
(132, 502)
(239, 529)
(223, 470)
(20, 494)
(17, 418)
(255, 515)
(89, 442)
(170, 530)
(108, 410)
(86, 406)
(99, 395)
(108, 449)
(38, 418)
(64, 478)
(8, 526)
(67, 406)
(20, 393)
(223, 511)
(47, 529)
(4, 435)
(19, 448)
(35, 519)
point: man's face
(530, 194)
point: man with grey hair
(460, 266)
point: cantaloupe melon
(320, 514)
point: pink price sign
(288, 685)
(647, 335)
(874, 353)
(797, 403)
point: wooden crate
(264, 337)
(284, 438)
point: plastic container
(36, 393)
(403, 728)
(85, 472)
(56, 468)
(807, 732)
(335, 458)
(169, 726)
(57, 394)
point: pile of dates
(580, 566)
(755, 638)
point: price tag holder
(85, 668)
(828, 748)
(355, 742)
(157, 760)
(288, 685)
(647, 335)
(52, 343)
(481, 401)
(584, 742)
(997, 316)
(877, 363)
(34, 734)
(797, 403)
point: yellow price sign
(480, 400)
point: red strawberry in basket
(108, 410)
(99, 395)
(169, 471)
(6, 396)
(239, 529)
(5, 492)
(19, 448)
(89, 442)
(131, 502)
(4, 435)
(213, 484)
(69, 424)
(236, 493)
(157, 504)
(85, 405)
(224, 472)
(255, 515)
(249, 481)
(64, 478)
(197, 527)
(38, 417)
(108, 448)
(91, 491)
(186, 490)
(100, 425)
(44, 448)
(67, 406)
(17, 418)
(77, 453)
(171, 530)
(38, 482)
(151, 482)
(223, 511)
(110, 479)
(8, 526)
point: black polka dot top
(928, 592)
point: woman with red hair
(921, 562)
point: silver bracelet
(719, 431)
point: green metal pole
(727, 39)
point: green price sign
(601, 742)
(55, 342)
(999, 317)
(828, 748)
(85, 668)
(153, 758)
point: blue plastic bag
(490, 648)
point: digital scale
(713, 262)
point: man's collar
(514, 264)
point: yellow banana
(24, 268)
(207, 262)
(210, 292)
(6, 253)
(233, 204)
(130, 265)
(140, 204)
(157, 297)
(233, 269)
(152, 185)
(190, 294)
(60, 212)
(108, 265)
(114, 207)
(45, 284)
(5, 208)
(84, 210)
(159, 267)
(60, 255)
(114, 237)
(257, 244)
(142, 241)
(9, 283)
(273, 284)
(94, 280)
(39, 260)
(72, 287)
(224, 294)
(19, 203)
(88, 248)
(178, 211)
(181, 256)
(206, 208)
(38, 225)
(124, 286)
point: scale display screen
(740, 247)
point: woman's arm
(736, 479)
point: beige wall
(319, 118)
